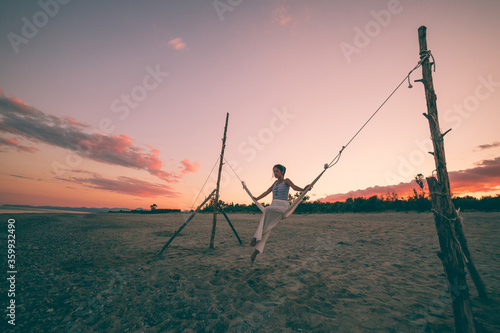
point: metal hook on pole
(409, 82)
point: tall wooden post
(445, 215)
(216, 197)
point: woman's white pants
(271, 216)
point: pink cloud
(488, 146)
(27, 122)
(402, 189)
(485, 177)
(74, 122)
(281, 14)
(177, 44)
(14, 143)
(189, 167)
(123, 185)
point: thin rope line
(459, 218)
(227, 162)
(206, 180)
(441, 193)
(407, 77)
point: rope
(458, 218)
(232, 169)
(205, 183)
(441, 193)
(407, 77)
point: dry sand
(319, 273)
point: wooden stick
(474, 274)
(216, 199)
(230, 224)
(451, 254)
(185, 223)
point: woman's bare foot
(254, 255)
(253, 242)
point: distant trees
(419, 202)
(373, 204)
(295, 196)
(232, 207)
(154, 210)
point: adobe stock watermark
(408, 166)
(363, 36)
(471, 103)
(32, 25)
(121, 106)
(255, 143)
(138, 93)
(223, 6)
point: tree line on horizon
(418, 202)
(372, 204)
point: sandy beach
(319, 273)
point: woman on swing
(272, 214)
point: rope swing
(336, 159)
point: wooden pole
(230, 224)
(444, 183)
(474, 274)
(445, 215)
(216, 198)
(185, 223)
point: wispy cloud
(74, 122)
(24, 177)
(189, 167)
(289, 13)
(9, 142)
(123, 185)
(281, 14)
(402, 189)
(177, 44)
(21, 120)
(488, 146)
(483, 178)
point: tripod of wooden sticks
(215, 199)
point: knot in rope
(425, 55)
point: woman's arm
(293, 186)
(264, 194)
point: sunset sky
(123, 103)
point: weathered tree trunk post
(216, 197)
(445, 215)
(443, 177)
